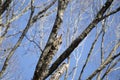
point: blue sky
(27, 55)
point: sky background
(24, 60)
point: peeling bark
(4, 6)
(58, 73)
(80, 38)
(39, 75)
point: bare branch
(59, 72)
(34, 43)
(5, 6)
(42, 65)
(110, 69)
(79, 39)
(109, 59)
(111, 13)
(17, 44)
(30, 22)
(89, 54)
(102, 47)
(36, 17)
